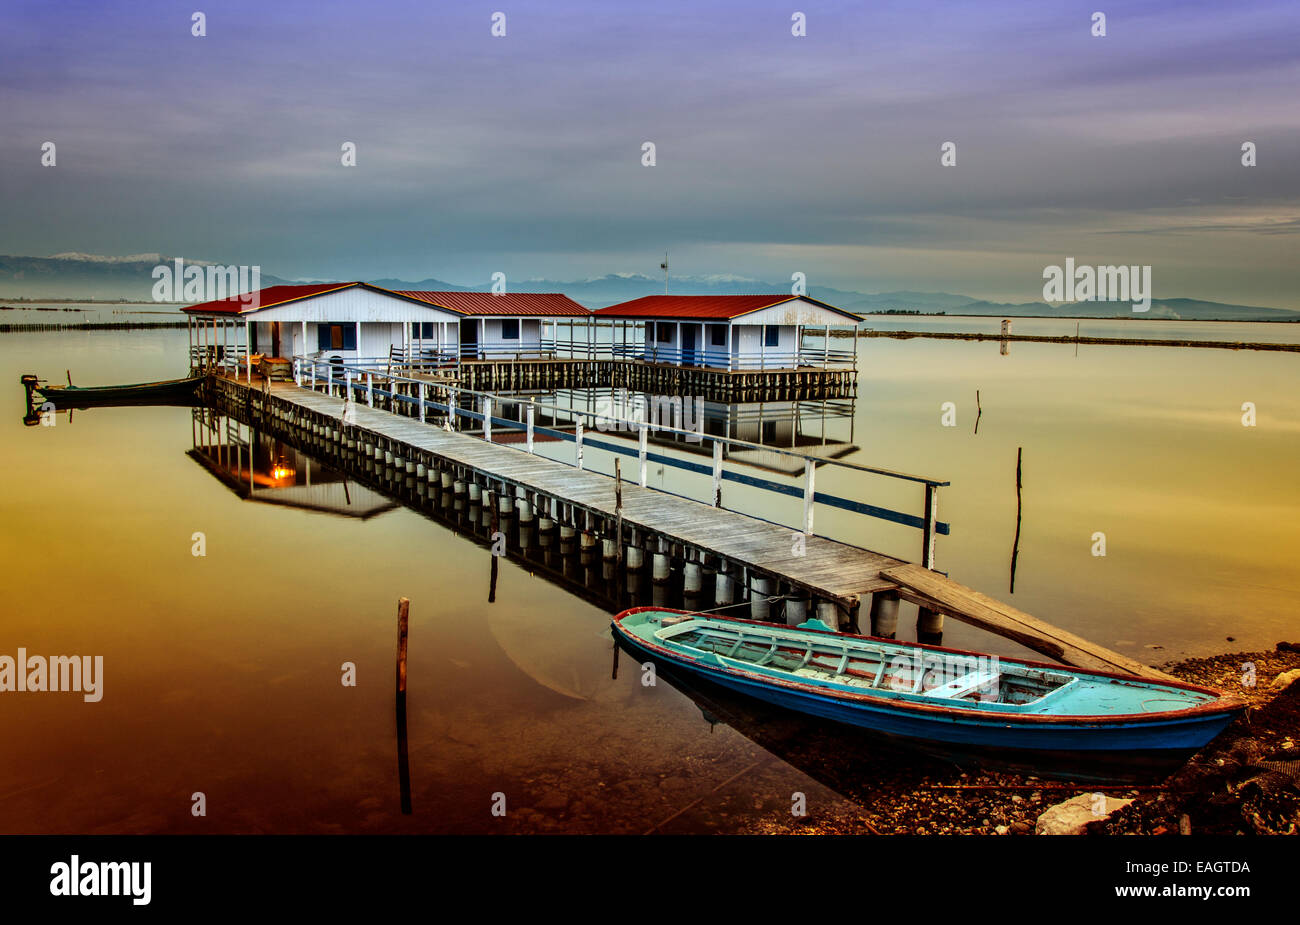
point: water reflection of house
(258, 467)
(822, 428)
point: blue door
(688, 344)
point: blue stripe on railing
(845, 504)
(793, 491)
(857, 507)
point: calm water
(53, 313)
(1137, 328)
(222, 673)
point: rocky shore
(1245, 782)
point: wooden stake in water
(1015, 546)
(403, 763)
(618, 513)
(494, 527)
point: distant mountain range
(91, 276)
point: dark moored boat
(72, 396)
(932, 694)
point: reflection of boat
(932, 694)
(852, 761)
(170, 391)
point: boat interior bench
(964, 685)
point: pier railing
(432, 357)
(370, 384)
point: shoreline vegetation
(35, 327)
(883, 313)
(1247, 781)
(1076, 339)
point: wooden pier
(745, 559)
(734, 385)
(711, 384)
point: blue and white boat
(933, 694)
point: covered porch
(732, 333)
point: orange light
(281, 470)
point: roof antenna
(664, 266)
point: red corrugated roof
(722, 307)
(507, 303)
(271, 295)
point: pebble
(553, 799)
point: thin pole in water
(618, 513)
(1015, 546)
(403, 761)
(494, 528)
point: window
(718, 335)
(510, 329)
(422, 330)
(664, 332)
(771, 336)
(336, 336)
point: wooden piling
(403, 760)
(618, 513)
(1015, 545)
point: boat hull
(176, 391)
(857, 747)
(1173, 735)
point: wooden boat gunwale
(61, 390)
(1222, 704)
(76, 396)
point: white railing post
(809, 490)
(329, 380)
(717, 473)
(530, 427)
(641, 451)
(297, 372)
(487, 419)
(421, 402)
(370, 389)
(577, 432)
(313, 375)
(347, 385)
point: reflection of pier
(821, 429)
(259, 467)
(358, 487)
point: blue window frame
(771, 336)
(423, 330)
(510, 329)
(330, 336)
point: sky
(774, 153)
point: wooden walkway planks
(828, 568)
(970, 606)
